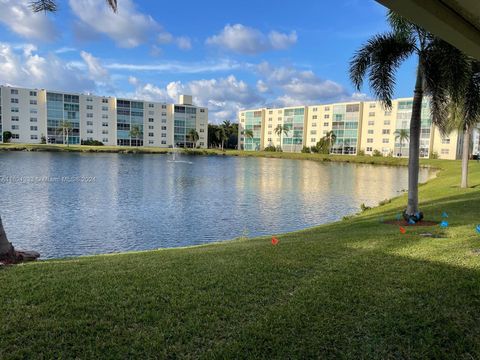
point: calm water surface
(79, 204)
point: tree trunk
(6, 249)
(465, 156)
(414, 145)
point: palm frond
(471, 107)
(51, 5)
(399, 24)
(380, 57)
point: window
(371, 123)
(164, 106)
(269, 133)
(372, 106)
(388, 113)
(445, 151)
(369, 140)
(89, 107)
(313, 140)
(315, 109)
(104, 116)
(164, 142)
(33, 93)
(270, 112)
(104, 108)
(14, 118)
(269, 139)
(150, 127)
(369, 149)
(104, 123)
(164, 121)
(89, 123)
(15, 136)
(105, 132)
(326, 116)
(315, 124)
(386, 122)
(313, 132)
(14, 91)
(279, 118)
(270, 119)
(89, 100)
(385, 141)
(150, 119)
(89, 131)
(33, 119)
(371, 114)
(325, 124)
(314, 117)
(202, 110)
(386, 131)
(270, 126)
(150, 105)
(164, 135)
(326, 108)
(33, 111)
(14, 109)
(370, 132)
(14, 127)
(14, 100)
(150, 141)
(105, 140)
(33, 128)
(202, 130)
(446, 141)
(33, 102)
(33, 137)
(164, 114)
(165, 128)
(89, 115)
(105, 101)
(352, 108)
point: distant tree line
(223, 136)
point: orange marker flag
(274, 240)
(402, 230)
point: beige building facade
(365, 126)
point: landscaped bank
(356, 288)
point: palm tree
(248, 133)
(401, 135)
(439, 75)
(465, 114)
(329, 140)
(221, 135)
(280, 130)
(135, 133)
(193, 136)
(51, 5)
(65, 128)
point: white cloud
(19, 18)
(224, 97)
(65, 49)
(128, 27)
(95, 69)
(179, 67)
(184, 43)
(298, 87)
(246, 40)
(262, 86)
(24, 66)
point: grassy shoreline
(354, 289)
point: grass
(350, 289)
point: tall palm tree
(221, 135)
(193, 137)
(439, 75)
(401, 135)
(465, 114)
(65, 128)
(281, 130)
(135, 133)
(51, 5)
(329, 140)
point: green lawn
(351, 289)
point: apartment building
(358, 126)
(33, 116)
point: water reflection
(143, 202)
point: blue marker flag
(444, 223)
(411, 221)
(478, 228)
(444, 215)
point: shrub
(361, 153)
(364, 207)
(433, 155)
(314, 149)
(7, 135)
(270, 148)
(43, 139)
(306, 150)
(385, 202)
(279, 148)
(91, 142)
(377, 153)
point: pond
(69, 204)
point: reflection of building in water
(365, 126)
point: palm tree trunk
(6, 249)
(414, 146)
(465, 156)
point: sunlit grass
(353, 289)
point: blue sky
(228, 55)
